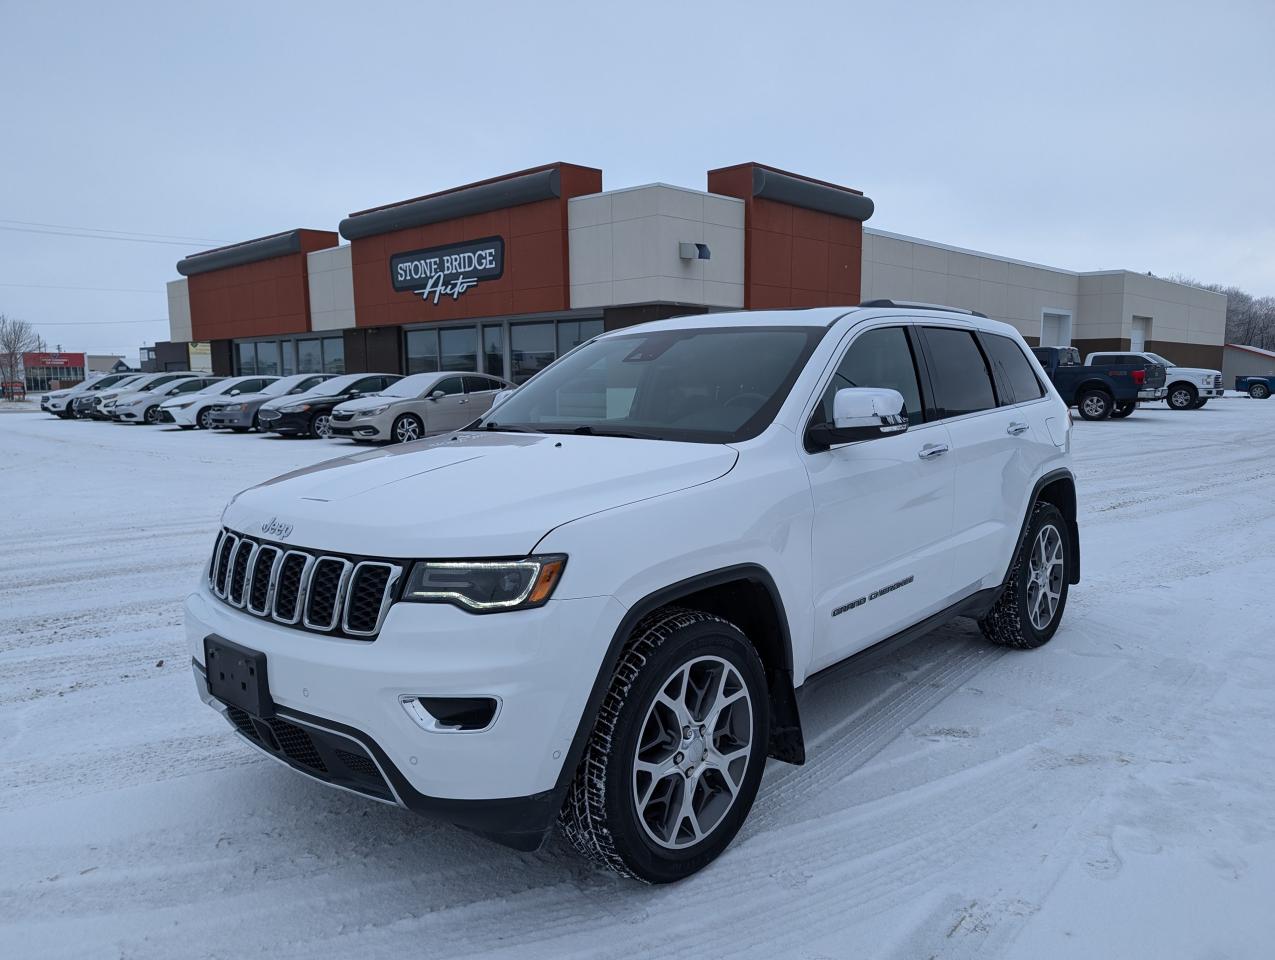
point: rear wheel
(1123, 409)
(1182, 396)
(1029, 609)
(321, 426)
(407, 428)
(1259, 391)
(1095, 405)
(676, 756)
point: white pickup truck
(1189, 387)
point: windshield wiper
(493, 426)
(585, 430)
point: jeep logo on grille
(273, 528)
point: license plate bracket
(237, 676)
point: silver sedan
(417, 406)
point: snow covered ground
(1109, 795)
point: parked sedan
(191, 410)
(106, 400)
(310, 414)
(418, 405)
(240, 414)
(83, 405)
(142, 406)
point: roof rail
(913, 305)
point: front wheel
(1123, 409)
(1259, 391)
(204, 420)
(1095, 405)
(1029, 609)
(407, 428)
(152, 414)
(321, 426)
(1182, 396)
(676, 756)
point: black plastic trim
(1062, 473)
(483, 198)
(780, 187)
(250, 251)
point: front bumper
(1211, 392)
(1153, 393)
(367, 428)
(129, 414)
(503, 781)
(289, 424)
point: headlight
(180, 406)
(243, 408)
(295, 408)
(374, 411)
(486, 586)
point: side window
(958, 372)
(368, 385)
(480, 384)
(1012, 369)
(1102, 359)
(188, 386)
(306, 384)
(878, 358)
(450, 386)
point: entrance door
(1139, 334)
(1055, 330)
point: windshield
(412, 386)
(330, 388)
(1156, 358)
(118, 380)
(713, 385)
(285, 384)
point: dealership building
(504, 275)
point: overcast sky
(1087, 136)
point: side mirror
(234, 393)
(437, 394)
(861, 413)
(501, 397)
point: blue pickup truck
(1102, 390)
(1259, 388)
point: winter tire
(321, 426)
(1182, 396)
(1200, 403)
(1029, 609)
(151, 415)
(1123, 409)
(407, 428)
(1259, 391)
(677, 752)
(1095, 405)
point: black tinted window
(1013, 369)
(481, 384)
(1103, 359)
(450, 386)
(958, 372)
(878, 358)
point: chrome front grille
(301, 588)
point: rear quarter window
(1013, 370)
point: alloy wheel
(1180, 398)
(1045, 576)
(152, 415)
(323, 426)
(407, 430)
(692, 752)
(205, 419)
(1094, 406)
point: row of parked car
(1113, 384)
(360, 406)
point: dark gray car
(240, 414)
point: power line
(94, 236)
(131, 233)
(54, 286)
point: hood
(249, 398)
(478, 495)
(59, 394)
(121, 397)
(288, 399)
(1192, 372)
(366, 403)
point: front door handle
(462, 400)
(932, 450)
(1014, 429)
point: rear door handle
(932, 450)
(1014, 429)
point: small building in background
(104, 363)
(52, 371)
(1244, 361)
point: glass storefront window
(334, 355)
(247, 359)
(459, 348)
(422, 351)
(268, 359)
(289, 362)
(494, 350)
(531, 349)
(572, 333)
(309, 356)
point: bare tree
(16, 338)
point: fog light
(452, 714)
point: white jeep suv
(596, 604)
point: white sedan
(191, 410)
(418, 405)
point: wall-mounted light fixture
(694, 251)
